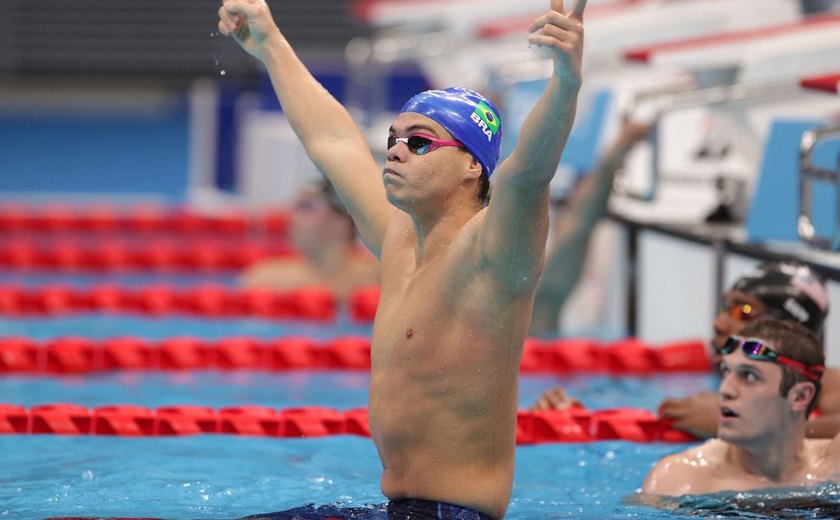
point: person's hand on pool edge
(696, 414)
(556, 399)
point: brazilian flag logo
(489, 117)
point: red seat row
(149, 219)
(576, 425)
(73, 355)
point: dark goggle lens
(729, 347)
(416, 144)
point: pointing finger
(577, 10)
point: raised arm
(331, 138)
(572, 231)
(512, 239)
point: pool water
(221, 476)
(227, 477)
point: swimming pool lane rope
(573, 425)
(215, 301)
(77, 355)
(168, 254)
(104, 221)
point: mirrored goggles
(739, 311)
(757, 350)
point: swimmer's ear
(801, 395)
(474, 170)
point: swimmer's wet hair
(793, 340)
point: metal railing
(808, 173)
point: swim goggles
(421, 144)
(756, 349)
(739, 311)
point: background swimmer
(770, 379)
(325, 236)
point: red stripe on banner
(644, 54)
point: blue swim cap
(470, 117)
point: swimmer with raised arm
(457, 277)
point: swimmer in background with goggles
(770, 381)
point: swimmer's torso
(708, 468)
(446, 350)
